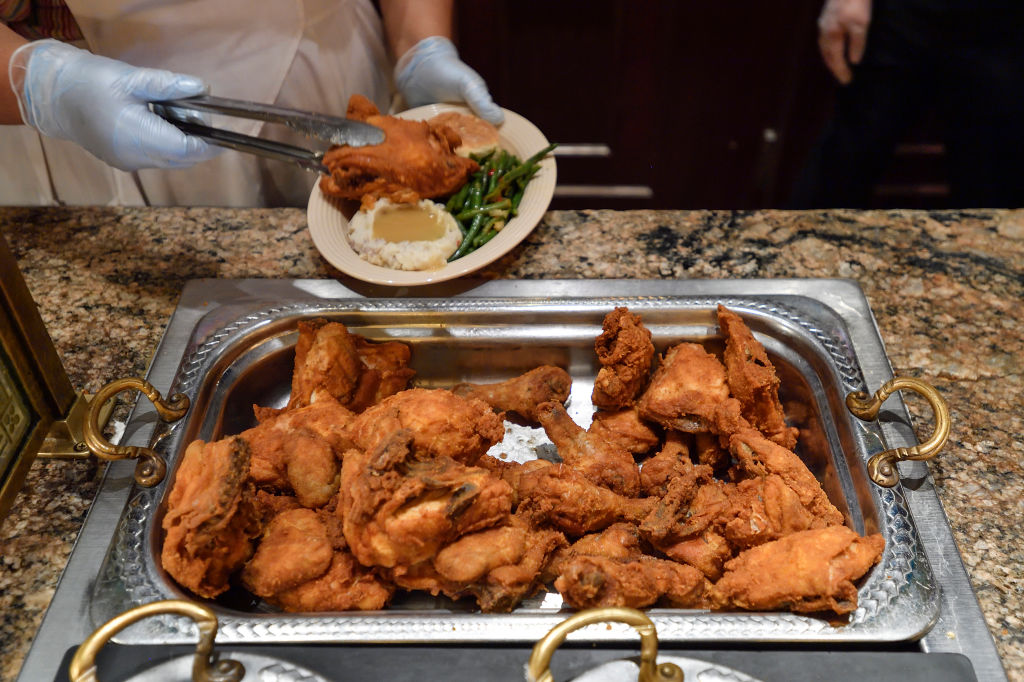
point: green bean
(487, 237)
(525, 167)
(485, 209)
(456, 201)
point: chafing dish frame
(899, 600)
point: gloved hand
(843, 34)
(431, 71)
(101, 105)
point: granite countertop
(947, 289)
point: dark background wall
(677, 104)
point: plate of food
(444, 200)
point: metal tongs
(333, 129)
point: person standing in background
(109, 57)
(897, 60)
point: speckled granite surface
(947, 289)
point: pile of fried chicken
(684, 491)
(416, 160)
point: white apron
(305, 54)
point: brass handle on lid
(204, 668)
(538, 669)
(151, 468)
(882, 467)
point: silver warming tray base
(229, 345)
(242, 354)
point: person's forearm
(407, 22)
(9, 42)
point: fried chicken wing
(594, 581)
(416, 161)
(211, 519)
(521, 394)
(596, 458)
(626, 352)
(441, 424)
(752, 380)
(805, 572)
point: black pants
(961, 60)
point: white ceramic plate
(328, 225)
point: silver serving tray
(241, 354)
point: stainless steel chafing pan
(242, 355)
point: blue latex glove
(101, 105)
(431, 71)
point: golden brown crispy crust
(625, 351)
(416, 161)
(805, 572)
(211, 519)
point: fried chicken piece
(625, 351)
(691, 503)
(297, 450)
(684, 524)
(617, 541)
(511, 472)
(346, 586)
(752, 380)
(416, 161)
(759, 456)
(764, 509)
(594, 457)
(594, 581)
(521, 394)
(294, 549)
(327, 361)
(390, 360)
(441, 423)
(671, 461)
(625, 430)
(211, 519)
(686, 390)
(396, 509)
(706, 552)
(805, 572)
(500, 566)
(326, 417)
(299, 462)
(558, 495)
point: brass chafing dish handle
(204, 668)
(538, 669)
(882, 467)
(151, 468)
